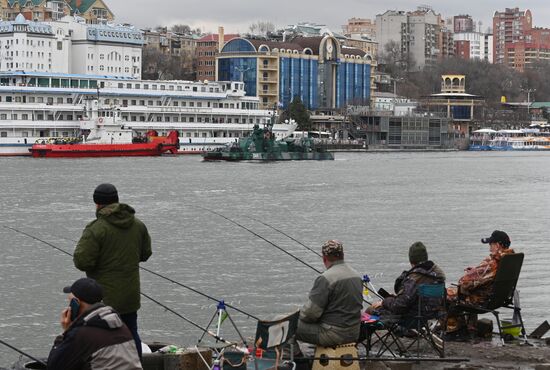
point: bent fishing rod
(23, 353)
(366, 279)
(142, 268)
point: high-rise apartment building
(362, 27)
(420, 35)
(474, 45)
(509, 27)
(463, 23)
(517, 43)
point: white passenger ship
(37, 106)
(503, 140)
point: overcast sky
(237, 15)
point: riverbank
(481, 355)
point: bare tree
(261, 28)
(184, 29)
(394, 61)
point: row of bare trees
(492, 81)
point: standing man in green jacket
(110, 250)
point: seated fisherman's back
(332, 314)
(405, 300)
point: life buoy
(100, 120)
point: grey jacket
(336, 298)
(97, 340)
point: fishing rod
(23, 353)
(204, 330)
(145, 269)
(366, 282)
(261, 237)
(285, 234)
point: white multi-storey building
(70, 46)
(481, 44)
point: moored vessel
(107, 138)
(261, 145)
(207, 115)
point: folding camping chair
(270, 338)
(416, 327)
(431, 312)
(503, 295)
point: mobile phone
(383, 293)
(74, 305)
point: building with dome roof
(322, 72)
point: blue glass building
(319, 70)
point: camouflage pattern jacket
(475, 286)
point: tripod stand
(222, 314)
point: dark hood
(429, 269)
(117, 214)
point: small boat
(107, 139)
(261, 145)
(481, 139)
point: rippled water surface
(377, 204)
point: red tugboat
(107, 140)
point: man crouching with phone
(94, 336)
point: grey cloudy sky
(237, 15)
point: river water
(377, 204)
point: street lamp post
(529, 91)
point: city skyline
(237, 15)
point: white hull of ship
(19, 146)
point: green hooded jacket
(110, 250)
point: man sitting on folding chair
(411, 307)
(405, 300)
(476, 286)
(332, 314)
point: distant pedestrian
(110, 250)
(94, 336)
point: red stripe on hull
(98, 150)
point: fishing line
(367, 282)
(261, 237)
(23, 353)
(145, 269)
(288, 236)
(218, 338)
(291, 238)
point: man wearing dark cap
(94, 336)
(475, 285)
(405, 299)
(110, 250)
(332, 314)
